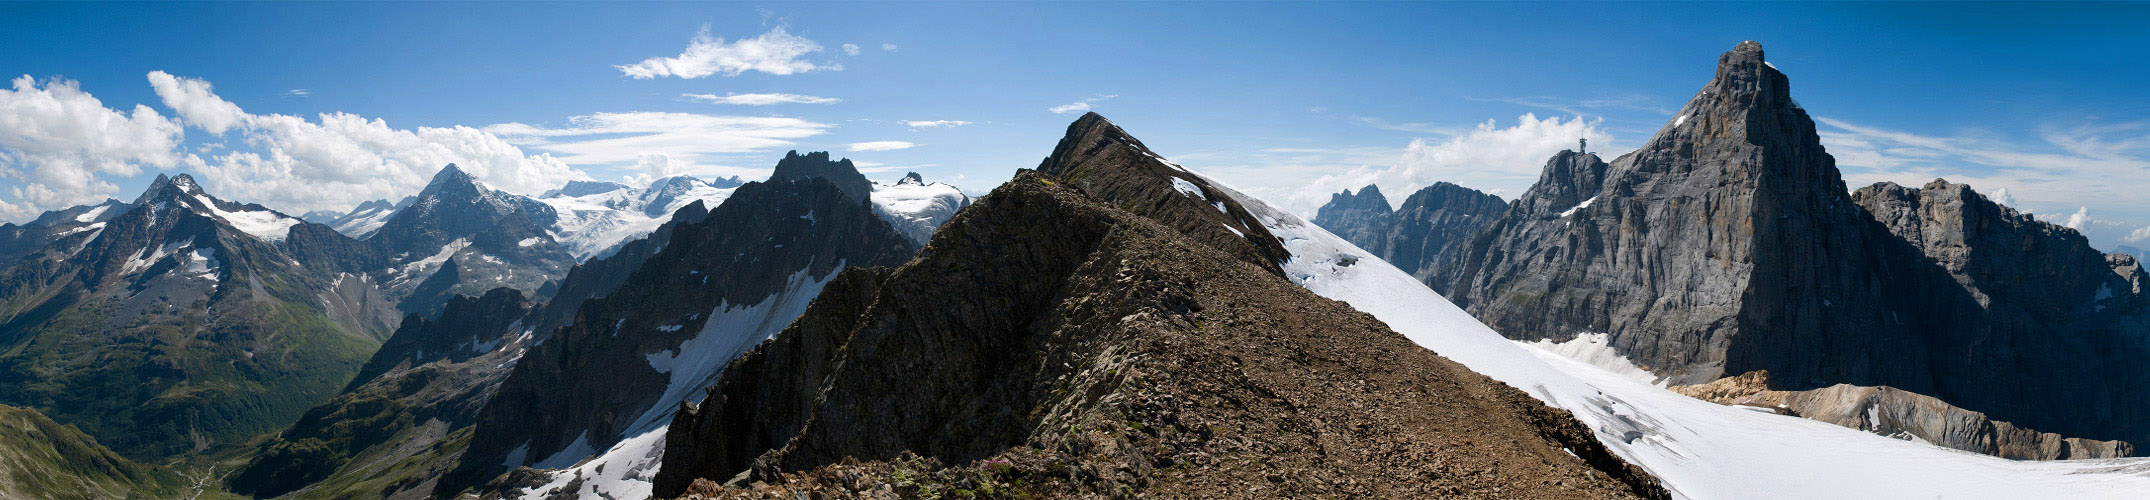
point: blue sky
(319, 106)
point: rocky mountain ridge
(715, 289)
(1078, 349)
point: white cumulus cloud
(881, 146)
(761, 99)
(196, 103)
(776, 52)
(2080, 218)
(2138, 235)
(57, 144)
(336, 160)
(888, 46)
(851, 48)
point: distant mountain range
(1714, 315)
(180, 322)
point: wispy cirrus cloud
(934, 123)
(2107, 164)
(622, 138)
(760, 99)
(881, 146)
(777, 53)
(1588, 107)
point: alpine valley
(1714, 315)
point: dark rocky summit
(1431, 221)
(713, 290)
(493, 238)
(1061, 338)
(846, 177)
(1101, 159)
(1728, 244)
(1351, 215)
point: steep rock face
(1727, 240)
(2064, 318)
(716, 289)
(183, 326)
(494, 238)
(1728, 244)
(1432, 220)
(1044, 325)
(467, 327)
(1905, 415)
(404, 420)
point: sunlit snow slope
(1700, 450)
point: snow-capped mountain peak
(916, 207)
(597, 217)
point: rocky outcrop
(1901, 414)
(1431, 222)
(819, 165)
(1728, 243)
(715, 289)
(1050, 338)
(467, 327)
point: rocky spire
(1567, 180)
(846, 176)
(168, 187)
